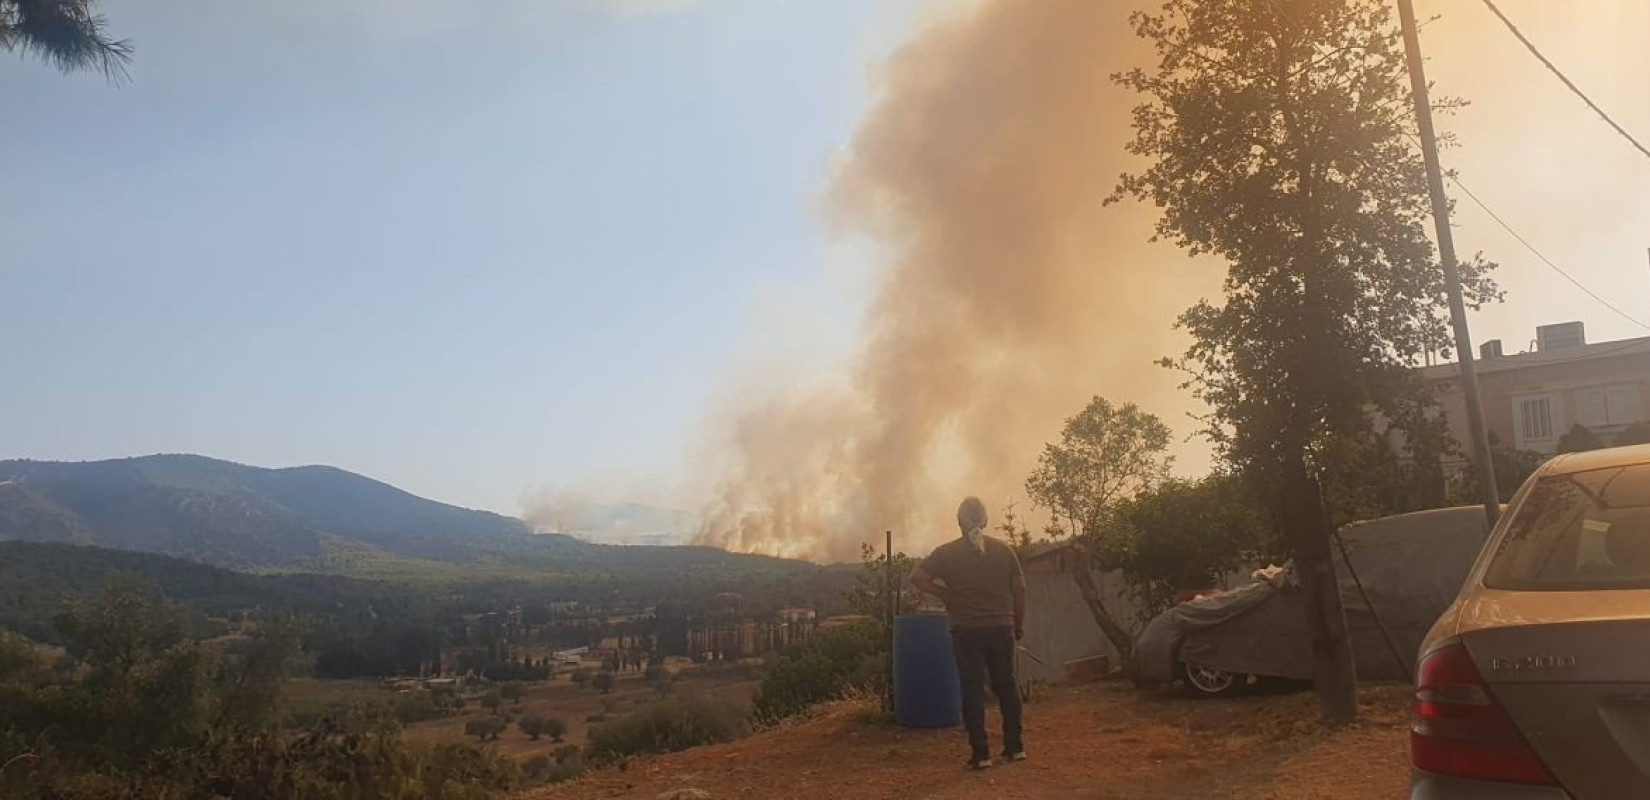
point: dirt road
(1094, 741)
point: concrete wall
(1059, 626)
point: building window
(1536, 415)
(1609, 406)
(1621, 403)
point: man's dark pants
(988, 653)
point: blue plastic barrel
(927, 691)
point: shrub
(492, 700)
(603, 681)
(669, 725)
(1636, 433)
(566, 772)
(580, 677)
(537, 767)
(657, 674)
(820, 669)
(324, 763)
(569, 764)
(1579, 439)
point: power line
(1556, 268)
(1561, 76)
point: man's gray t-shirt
(981, 585)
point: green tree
(1015, 532)
(136, 684)
(580, 677)
(129, 624)
(64, 33)
(485, 728)
(250, 682)
(869, 595)
(1512, 468)
(18, 659)
(1185, 535)
(603, 682)
(1106, 454)
(555, 728)
(492, 700)
(514, 692)
(1277, 140)
(532, 726)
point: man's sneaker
(1017, 755)
(979, 764)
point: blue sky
(480, 247)
(470, 248)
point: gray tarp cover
(1411, 565)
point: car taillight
(1459, 729)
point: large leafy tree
(64, 33)
(1277, 139)
(1106, 454)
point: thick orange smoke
(1012, 295)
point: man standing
(984, 591)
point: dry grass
(1099, 740)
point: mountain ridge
(308, 518)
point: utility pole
(889, 609)
(1452, 272)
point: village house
(1533, 398)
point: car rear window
(1586, 530)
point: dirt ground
(1092, 741)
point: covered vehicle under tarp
(1411, 567)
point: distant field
(569, 702)
(556, 699)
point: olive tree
(1106, 454)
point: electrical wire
(1554, 267)
(1281, 11)
(1391, 646)
(1567, 82)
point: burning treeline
(1011, 296)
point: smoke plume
(1011, 295)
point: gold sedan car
(1535, 684)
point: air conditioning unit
(1560, 336)
(1490, 349)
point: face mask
(976, 537)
